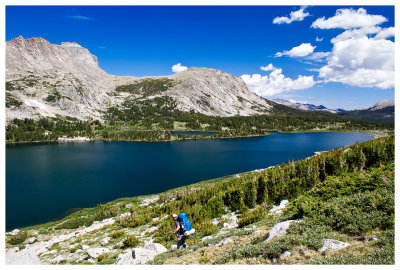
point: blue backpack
(184, 221)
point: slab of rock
(26, 256)
(96, 252)
(31, 240)
(332, 245)
(224, 242)
(277, 209)
(13, 232)
(285, 254)
(105, 241)
(57, 260)
(149, 230)
(279, 229)
(140, 255)
(206, 237)
(232, 221)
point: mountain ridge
(45, 79)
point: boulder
(96, 252)
(279, 229)
(277, 209)
(31, 240)
(206, 238)
(85, 247)
(14, 232)
(105, 241)
(224, 241)
(58, 260)
(232, 221)
(332, 245)
(285, 254)
(149, 230)
(140, 255)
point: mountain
(44, 79)
(381, 112)
(305, 107)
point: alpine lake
(46, 181)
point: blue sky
(351, 72)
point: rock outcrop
(332, 245)
(279, 229)
(141, 255)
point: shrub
(75, 223)
(206, 227)
(116, 234)
(131, 241)
(105, 211)
(251, 217)
(214, 207)
(18, 238)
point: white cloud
(349, 18)
(299, 51)
(385, 33)
(276, 83)
(361, 55)
(178, 68)
(356, 33)
(268, 68)
(363, 62)
(298, 15)
(80, 17)
(318, 56)
(318, 39)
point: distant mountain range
(381, 112)
(305, 107)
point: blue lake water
(43, 181)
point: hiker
(180, 231)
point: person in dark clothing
(181, 237)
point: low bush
(131, 241)
(18, 238)
(117, 234)
(105, 211)
(251, 217)
(75, 223)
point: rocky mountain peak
(48, 79)
(382, 104)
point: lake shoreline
(88, 139)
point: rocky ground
(89, 245)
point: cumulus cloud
(276, 83)
(318, 56)
(267, 68)
(318, 39)
(363, 62)
(385, 33)
(298, 15)
(299, 51)
(349, 18)
(178, 68)
(361, 55)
